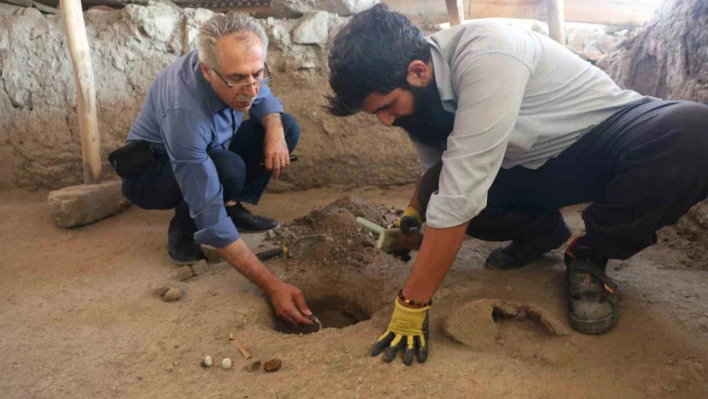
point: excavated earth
(80, 317)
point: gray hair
(221, 25)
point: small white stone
(207, 362)
(226, 363)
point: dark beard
(429, 124)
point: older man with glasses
(206, 161)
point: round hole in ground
(333, 311)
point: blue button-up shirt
(183, 118)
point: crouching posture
(510, 126)
(207, 160)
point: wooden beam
(85, 89)
(456, 11)
(556, 20)
(605, 12)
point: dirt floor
(79, 316)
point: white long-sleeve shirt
(519, 98)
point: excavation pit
(332, 311)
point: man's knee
(231, 169)
(292, 131)
(144, 197)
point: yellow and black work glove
(410, 219)
(409, 223)
(408, 331)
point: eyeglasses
(240, 86)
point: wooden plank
(456, 11)
(85, 88)
(605, 12)
(556, 21)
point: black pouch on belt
(130, 159)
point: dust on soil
(80, 317)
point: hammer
(387, 237)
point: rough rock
(200, 267)
(183, 273)
(272, 365)
(39, 128)
(79, 205)
(592, 42)
(669, 58)
(312, 29)
(172, 295)
(7, 10)
(601, 43)
(296, 8)
(694, 224)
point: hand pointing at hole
(289, 303)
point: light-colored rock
(296, 8)
(79, 205)
(44, 8)
(207, 362)
(7, 10)
(600, 43)
(279, 32)
(183, 273)
(200, 267)
(226, 363)
(172, 295)
(312, 29)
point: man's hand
(409, 223)
(276, 154)
(408, 331)
(289, 303)
(411, 219)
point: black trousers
(641, 169)
(239, 168)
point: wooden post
(456, 11)
(85, 88)
(556, 20)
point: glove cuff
(410, 211)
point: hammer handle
(370, 225)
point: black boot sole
(594, 326)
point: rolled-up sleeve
(491, 87)
(187, 136)
(265, 103)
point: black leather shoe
(181, 248)
(522, 252)
(246, 221)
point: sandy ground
(79, 319)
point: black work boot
(181, 248)
(592, 304)
(521, 252)
(246, 221)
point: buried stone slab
(79, 205)
(332, 311)
(477, 324)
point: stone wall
(669, 58)
(39, 128)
